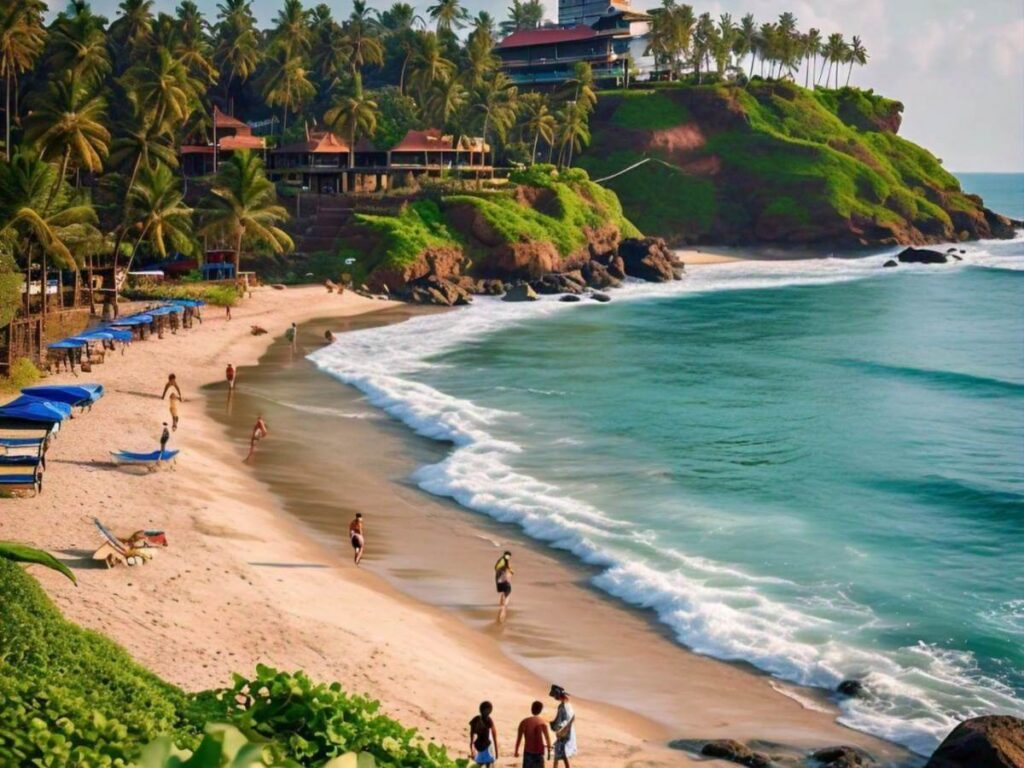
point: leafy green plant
(19, 553)
(23, 373)
(219, 295)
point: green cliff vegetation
(772, 161)
(73, 697)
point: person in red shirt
(534, 732)
(229, 374)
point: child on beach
(355, 533)
(229, 374)
(164, 437)
(534, 737)
(503, 582)
(259, 431)
(483, 736)
(172, 383)
(564, 726)
(175, 399)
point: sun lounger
(114, 550)
(151, 459)
(29, 408)
(75, 395)
(23, 480)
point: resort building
(229, 134)
(574, 13)
(614, 43)
(321, 163)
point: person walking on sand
(259, 431)
(164, 437)
(564, 727)
(292, 333)
(503, 582)
(355, 533)
(172, 383)
(534, 737)
(483, 736)
(175, 400)
(229, 374)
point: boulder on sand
(649, 259)
(598, 296)
(843, 757)
(570, 297)
(597, 275)
(520, 292)
(891, 263)
(994, 741)
(921, 256)
(735, 752)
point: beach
(258, 569)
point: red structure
(229, 134)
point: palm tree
(448, 14)
(286, 84)
(746, 41)
(192, 44)
(21, 41)
(68, 122)
(292, 31)
(857, 54)
(78, 45)
(573, 132)
(361, 42)
(163, 89)
(479, 59)
(428, 64)
(539, 121)
(523, 14)
(242, 207)
(353, 116)
(157, 205)
(446, 97)
(398, 24)
(238, 51)
(133, 27)
(495, 101)
(580, 87)
(812, 48)
(723, 43)
(835, 54)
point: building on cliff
(321, 163)
(229, 134)
(614, 42)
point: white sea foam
(918, 693)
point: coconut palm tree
(238, 51)
(573, 132)
(523, 14)
(163, 89)
(292, 31)
(538, 121)
(353, 116)
(835, 54)
(78, 45)
(494, 100)
(857, 54)
(192, 45)
(812, 48)
(445, 99)
(286, 83)
(242, 208)
(428, 64)
(580, 87)
(361, 42)
(449, 15)
(479, 59)
(156, 205)
(132, 28)
(68, 122)
(21, 41)
(746, 41)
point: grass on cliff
(573, 203)
(69, 696)
(648, 111)
(401, 238)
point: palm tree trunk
(135, 249)
(44, 285)
(284, 126)
(753, 59)
(59, 180)
(533, 155)
(28, 280)
(7, 114)
(401, 77)
(238, 251)
(848, 74)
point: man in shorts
(355, 533)
(534, 732)
(259, 431)
(503, 582)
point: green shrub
(23, 373)
(217, 294)
(403, 237)
(649, 111)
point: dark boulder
(956, 257)
(649, 259)
(734, 752)
(520, 292)
(616, 267)
(891, 263)
(921, 256)
(602, 297)
(597, 275)
(493, 287)
(570, 297)
(843, 757)
(850, 688)
(994, 741)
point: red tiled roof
(432, 140)
(319, 143)
(242, 142)
(220, 120)
(525, 37)
(197, 149)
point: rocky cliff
(776, 163)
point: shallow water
(813, 466)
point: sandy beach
(257, 570)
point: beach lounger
(29, 408)
(151, 460)
(23, 480)
(75, 395)
(114, 551)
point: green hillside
(774, 162)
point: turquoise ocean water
(813, 466)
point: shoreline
(243, 583)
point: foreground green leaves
(19, 553)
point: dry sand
(243, 582)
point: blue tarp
(143, 458)
(129, 321)
(96, 335)
(66, 344)
(72, 394)
(21, 442)
(29, 408)
(142, 317)
(189, 302)
(118, 334)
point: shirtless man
(503, 582)
(259, 431)
(172, 383)
(355, 533)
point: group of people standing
(533, 739)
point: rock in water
(994, 741)
(570, 297)
(649, 259)
(891, 263)
(921, 256)
(734, 752)
(843, 757)
(602, 297)
(850, 688)
(521, 292)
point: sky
(957, 66)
